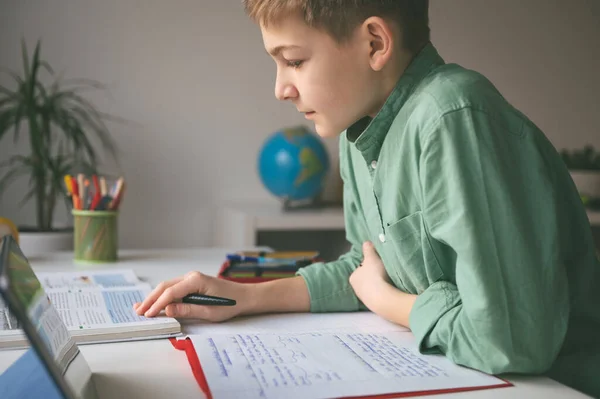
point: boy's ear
(382, 41)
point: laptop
(48, 336)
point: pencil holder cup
(95, 236)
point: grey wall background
(194, 77)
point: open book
(96, 306)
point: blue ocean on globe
(293, 164)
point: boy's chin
(326, 131)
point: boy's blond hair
(340, 17)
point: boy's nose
(285, 91)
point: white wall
(193, 76)
(543, 55)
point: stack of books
(246, 266)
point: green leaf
(25, 56)
(72, 128)
(16, 159)
(7, 92)
(47, 67)
(82, 83)
(7, 102)
(13, 75)
(87, 168)
(28, 196)
(18, 117)
(35, 66)
(97, 127)
(7, 119)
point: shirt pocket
(416, 265)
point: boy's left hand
(370, 275)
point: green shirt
(470, 207)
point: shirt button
(373, 164)
(382, 237)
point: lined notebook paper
(294, 356)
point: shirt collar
(368, 133)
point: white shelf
(238, 224)
(315, 219)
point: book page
(325, 364)
(46, 321)
(9, 325)
(52, 331)
(88, 279)
(90, 308)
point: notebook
(96, 306)
(329, 355)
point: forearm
(282, 295)
(390, 303)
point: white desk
(154, 369)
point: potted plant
(584, 166)
(64, 131)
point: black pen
(199, 299)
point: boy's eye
(294, 64)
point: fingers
(185, 311)
(191, 283)
(141, 308)
(174, 310)
(368, 251)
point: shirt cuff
(428, 309)
(329, 287)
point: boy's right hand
(167, 295)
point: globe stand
(310, 204)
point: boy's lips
(308, 114)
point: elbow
(521, 347)
(522, 357)
(507, 362)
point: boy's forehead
(290, 33)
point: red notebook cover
(187, 346)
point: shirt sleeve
(490, 205)
(328, 283)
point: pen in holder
(95, 236)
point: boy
(464, 222)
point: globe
(293, 164)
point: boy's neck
(391, 78)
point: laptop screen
(41, 322)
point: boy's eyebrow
(276, 50)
